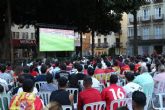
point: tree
(130, 6)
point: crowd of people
(130, 77)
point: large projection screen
(56, 40)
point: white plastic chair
(161, 87)
(95, 106)
(73, 91)
(4, 87)
(39, 84)
(45, 96)
(100, 88)
(5, 100)
(161, 100)
(121, 102)
(66, 107)
(148, 89)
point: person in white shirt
(4, 84)
(96, 83)
(130, 87)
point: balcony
(118, 44)
(157, 1)
(132, 37)
(131, 20)
(158, 18)
(101, 45)
(146, 19)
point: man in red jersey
(89, 94)
(113, 92)
(109, 68)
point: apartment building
(23, 40)
(151, 28)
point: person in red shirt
(113, 92)
(125, 67)
(109, 68)
(89, 94)
(99, 70)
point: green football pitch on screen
(56, 40)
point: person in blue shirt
(42, 77)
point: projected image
(56, 39)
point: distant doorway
(158, 49)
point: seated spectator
(130, 87)
(61, 95)
(49, 86)
(125, 67)
(74, 69)
(138, 100)
(95, 82)
(85, 69)
(42, 77)
(33, 71)
(89, 94)
(116, 67)
(56, 68)
(27, 99)
(68, 66)
(109, 68)
(143, 79)
(20, 80)
(6, 76)
(99, 69)
(159, 77)
(80, 75)
(112, 92)
(62, 73)
(26, 73)
(73, 82)
(53, 106)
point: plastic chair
(39, 84)
(45, 96)
(5, 101)
(100, 88)
(95, 106)
(66, 107)
(148, 89)
(74, 91)
(4, 87)
(161, 87)
(121, 102)
(161, 100)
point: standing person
(113, 92)
(138, 100)
(26, 100)
(61, 95)
(89, 94)
(42, 76)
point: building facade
(151, 29)
(24, 41)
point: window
(158, 32)
(99, 42)
(146, 14)
(25, 35)
(145, 33)
(158, 12)
(105, 40)
(17, 35)
(32, 35)
(130, 31)
(13, 35)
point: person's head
(161, 68)
(62, 82)
(53, 106)
(63, 66)
(143, 69)
(79, 68)
(21, 78)
(132, 66)
(87, 82)
(85, 66)
(108, 64)
(28, 85)
(3, 68)
(123, 108)
(43, 69)
(26, 69)
(138, 100)
(99, 65)
(1, 89)
(129, 76)
(90, 71)
(57, 64)
(49, 78)
(113, 79)
(126, 62)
